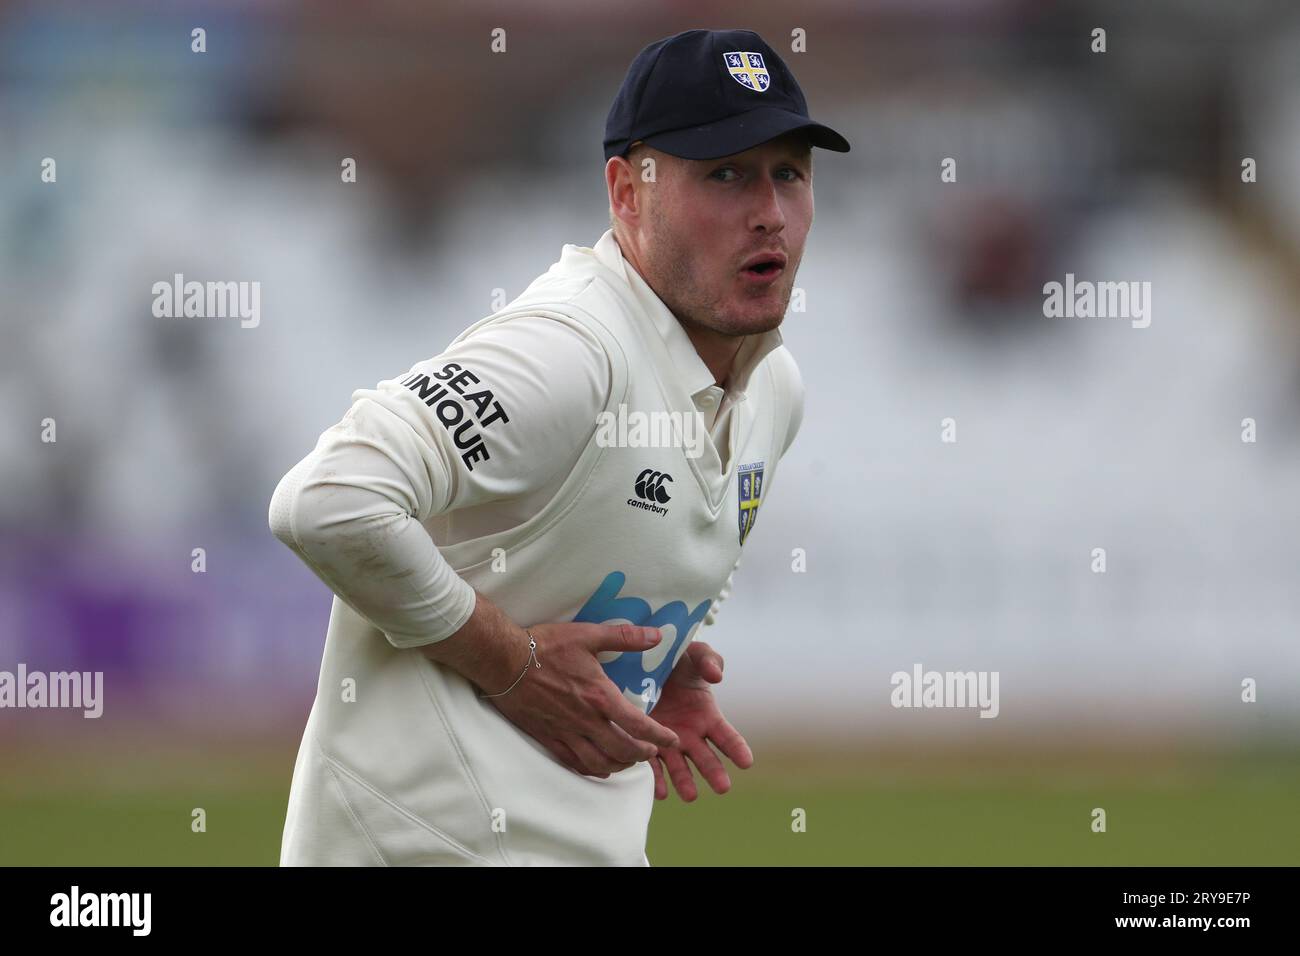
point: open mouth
(765, 266)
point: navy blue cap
(704, 94)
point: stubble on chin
(770, 319)
(690, 298)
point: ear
(621, 184)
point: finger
(709, 766)
(564, 754)
(727, 739)
(617, 744)
(661, 785)
(624, 637)
(681, 775)
(708, 662)
(593, 758)
(637, 723)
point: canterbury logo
(650, 486)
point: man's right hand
(571, 707)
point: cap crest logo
(748, 70)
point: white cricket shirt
(513, 463)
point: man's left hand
(687, 707)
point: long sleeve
(501, 414)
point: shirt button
(706, 400)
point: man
(519, 572)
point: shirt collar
(695, 374)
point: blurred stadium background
(1120, 690)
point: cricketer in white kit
(484, 472)
(416, 769)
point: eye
(723, 169)
(795, 173)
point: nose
(765, 210)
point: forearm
(490, 651)
(383, 563)
(374, 556)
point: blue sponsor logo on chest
(628, 670)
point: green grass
(1248, 819)
(861, 808)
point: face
(720, 240)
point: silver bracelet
(532, 658)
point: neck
(716, 350)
